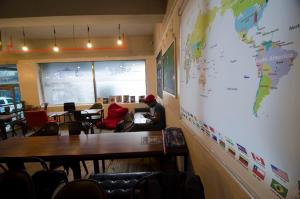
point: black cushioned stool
(150, 185)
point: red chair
(37, 118)
(116, 113)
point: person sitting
(156, 116)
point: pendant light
(55, 47)
(24, 47)
(89, 43)
(119, 41)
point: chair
(70, 107)
(17, 124)
(81, 189)
(151, 185)
(96, 106)
(116, 113)
(75, 128)
(16, 184)
(45, 106)
(46, 180)
(49, 129)
(37, 118)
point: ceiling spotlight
(24, 47)
(119, 41)
(55, 47)
(89, 43)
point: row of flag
(243, 157)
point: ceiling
(136, 17)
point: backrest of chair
(116, 111)
(16, 184)
(78, 189)
(96, 106)
(45, 106)
(69, 106)
(17, 124)
(78, 116)
(36, 118)
(75, 128)
(49, 129)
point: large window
(120, 78)
(8, 74)
(73, 82)
(10, 99)
(67, 82)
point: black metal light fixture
(120, 40)
(89, 43)
(55, 47)
(24, 47)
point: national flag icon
(211, 129)
(258, 172)
(214, 137)
(243, 161)
(242, 149)
(207, 132)
(283, 175)
(231, 151)
(222, 143)
(258, 159)
(280, 189)
(230, 142)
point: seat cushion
(151, 185)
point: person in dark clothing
(156, 116)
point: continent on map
(247, 15)
(273, 62)
(196, 39)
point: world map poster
(239, 84)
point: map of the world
(239, 76)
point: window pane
(8, 74)
(67, 82)
(120, 78)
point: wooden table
(139, 118)
(56, 115)
(84, 147)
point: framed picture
(159, 74)
(125, 98)
(132, 99)
(169, 70)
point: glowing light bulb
(25, 48)
(119, 42)
(55, 48)
(89, 45)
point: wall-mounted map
(239, 84)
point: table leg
(96, 166)
(103, 166)
(92, 129)
(185, 163)
(75, 166)
(3, 129)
